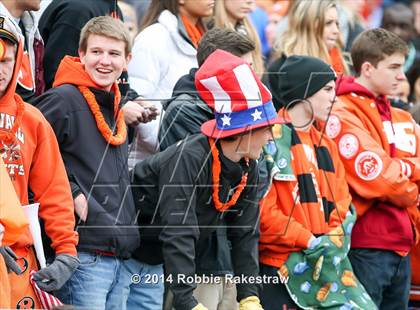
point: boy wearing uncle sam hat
(209, 180)
(380, 149)
(31, 155)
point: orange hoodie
(12, 216)
(381, 157)
(15, 224)
(287, 226)
(33, 160)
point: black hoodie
(185, 112)
(95, 168)
(60, 26)
(174, 186)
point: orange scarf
(195, 32)
(337, 61)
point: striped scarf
(285, 146)
(309, 193)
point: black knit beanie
(272, 80)
(298, 78)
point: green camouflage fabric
(322, 277)
(277, 154)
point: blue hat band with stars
(245, 118)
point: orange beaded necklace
(216, 170)
(121, 135)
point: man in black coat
(184, 114)
(209, 181)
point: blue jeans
(146, 289)
(98, 283)
(385, 275)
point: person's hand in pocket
(81, 207)
(54, 276)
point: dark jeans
(414, 305)
(275, 296)
(385, 275)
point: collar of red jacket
(348, 84)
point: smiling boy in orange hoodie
(84, 110)
(30, 152)
(380, 148)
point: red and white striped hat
(240, 101)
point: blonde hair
(304, 35)
(105, 26)
(221, 20)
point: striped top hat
(240, 101)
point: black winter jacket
(96, 169)
(175, 186)
(60, 26)
(184, 114)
